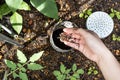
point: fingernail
(65, 29)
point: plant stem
(17, 68)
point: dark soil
(35, 37)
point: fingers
(73, 45)
(79, 31)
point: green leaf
(22, 58)
(13, 4)
(60, 77)
(10, 64)
(81, 15)
(46, 7)
(23, 76)
(4, 10)
(72, 78)
(21, 67)
(112, 15)
(67, 71)
(34, 66)
(36, 56)
(114, 37)
(24, 6)
(56, 73)
(89, 72)
(15, 75)
(16, 21)
(95, 72)
(86, 16)
(76, 75)
(74, 67)
(112, 10)
(62, 68)
(89, 11)
(80, 71)
(118, 15)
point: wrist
(104, 56)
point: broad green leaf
(95, 72)
(118, 15)
(36, 56)
(13, 4)
(67, 71)
(81, 15)
(62, 68)
(72, 78)
(76, 75)
(112, 15)
(10, 64)
(46, 7)
(15, 75)
(4, 10)
(34, 66)
(24, 6)
(23, 76)
(80, 71)
(16, 21)
(60, 77)
(74, 67)
(21, 67)
(22, 58)
(56, 73)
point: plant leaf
(56, 73)
(81, 15)
(112, 15)
(72, 78)
(22, 58)
(118, 15)
(34, 66)
(67, 71)
(76, 75)
(89, 11)
(46, 7)
(36, 56)
(74, 67)
(13, 4)
(24, 6)
(95, 72)
(4, 10)
(16, 21)
(15, 75)
(10, 64)
(62, 68)
(21, 67)
(80, 71)
(23, 76)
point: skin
(94, 49)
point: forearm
(109, 66)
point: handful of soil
(67, 37)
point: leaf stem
(18, 68)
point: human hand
(85, 41)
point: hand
(85, 41)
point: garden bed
(35, 37)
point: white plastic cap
(100, 23)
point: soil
(35, 37)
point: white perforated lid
(101, 23)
